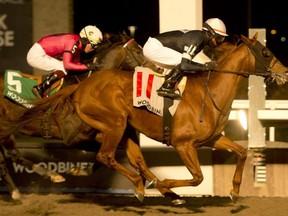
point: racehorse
(116, 51)
(101, 107)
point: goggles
(219, 38)
(94, 46)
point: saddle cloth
(18, 87)
(145, 84)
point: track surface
(127, 205)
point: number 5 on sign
(14, 84)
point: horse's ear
(106, 35)
(246, 39)
(234, 39)
(243, 38)
(125, 37)
(255, 37)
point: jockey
(176, 49)
(60, 53)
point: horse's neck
(225, 84)
(226, 88)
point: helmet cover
(92, 33)
(217, 25)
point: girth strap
(46, 127)
(167, 121)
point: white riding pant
(37, 58)
(156, 52)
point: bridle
(263, 62)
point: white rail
(274, 110)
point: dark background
(116, 16)
(238, 16)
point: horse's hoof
(152, 184)
(76, 171)
(140, 196)
(178, 202)
(16, 195)
(55, 177)
(234, 197)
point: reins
(244, 73)
(260, 64)
(145, 61)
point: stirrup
(36, 91)
(166, 93)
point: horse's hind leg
(223, 143)
(106, 155)
(12, 152)
(6, 178)
(136, 159)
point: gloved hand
(210, 65)
(92, 66)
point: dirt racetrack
(128, 205)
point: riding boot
(40, 90)
(168, 87)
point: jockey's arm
(187, 63)
(69, 64)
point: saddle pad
(18, 87)
(145, 84)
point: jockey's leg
(168, 87)
(39, 90)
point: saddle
(18, 87)
(145, 84)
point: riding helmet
(92, 33)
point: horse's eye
(266, 53)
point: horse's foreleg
(137, 161)
(223, 143)
(189, 156)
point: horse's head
(119, 51)
(266, 64)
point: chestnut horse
(101, 107)
(116, 51)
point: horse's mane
(230, 43)
(218, 53)
(110, 40)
